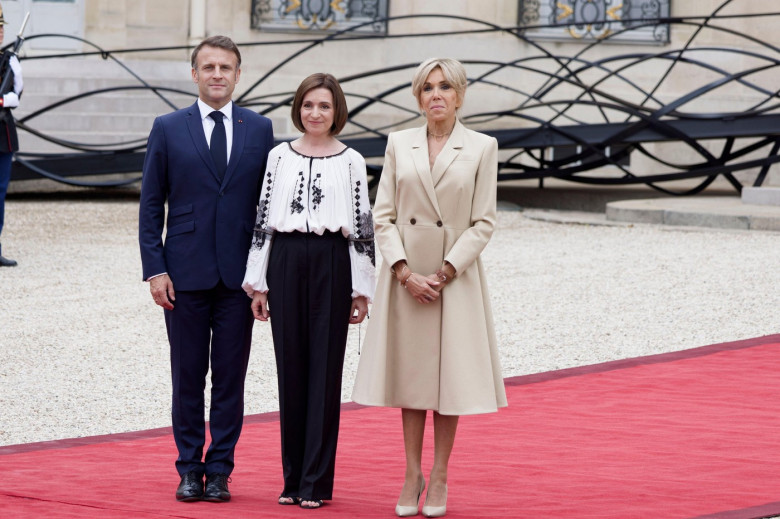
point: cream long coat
(442, 355)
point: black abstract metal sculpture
(567, 123)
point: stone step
(93, 122)
(31, 144)
(110, 117)
(761, 195)
(95, 68)
(72, 86)
(714, 212)
(35, 100)
(97, 116)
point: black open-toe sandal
(311, 504)
(287, 500)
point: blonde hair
(452, 70)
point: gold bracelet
(405, 267)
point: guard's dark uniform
(9, 142)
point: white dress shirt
(208, 123)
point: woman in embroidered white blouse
(311, 268)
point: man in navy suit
(206, 161)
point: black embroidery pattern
(316, 191)
(261, 234)
(295, 205)
(364, 232)
(363, 239)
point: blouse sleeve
(362, 252)
(260, 250)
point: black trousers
(208, 327)
(309, 297)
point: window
(588, 20)
(320, 15)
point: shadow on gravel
(101, 195)
(48, 190)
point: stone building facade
(154, 25)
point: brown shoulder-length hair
(321, 80)
(220, 42)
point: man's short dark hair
(321, 80)
(221, 42)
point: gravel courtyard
(84, 352)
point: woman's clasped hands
(425, 289)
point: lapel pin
(240, 121)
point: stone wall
(122, 24)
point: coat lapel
(448, 153)
(420, 155)
(239, 136)
(195, 127)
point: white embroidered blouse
(314, 194)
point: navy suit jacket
(209, 223)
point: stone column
(197, 21)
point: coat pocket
(181, 228)
(179, 210)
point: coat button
(412, 221)
(439, 224)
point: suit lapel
(239, 136)
(195, 127)
(420, 155)
(448, 153)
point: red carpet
(689, 434)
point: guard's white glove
(10, 100)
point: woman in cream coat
(430, 343)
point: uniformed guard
(11, 74)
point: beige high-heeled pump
(435, 511)
(408, 510)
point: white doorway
(46, 17)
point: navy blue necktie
(218, 144)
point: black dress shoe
(5, 262)
(217, 488)
(191, 487)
